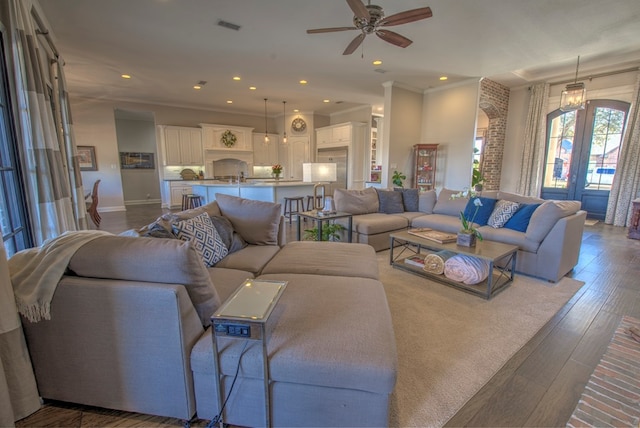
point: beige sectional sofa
(129, 326)
(549, 241)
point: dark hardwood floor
(539, 386)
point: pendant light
(574, 95)
(266, 132)
(284, 122)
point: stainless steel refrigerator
(339, 156)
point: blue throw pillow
(520, 220)
(484, 211)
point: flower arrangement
(467, 224)
(276, 169)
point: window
(13, 218)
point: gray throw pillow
(258, 222)
(410, 198)
(390, 202)
(232, 240)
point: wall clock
(298, 124)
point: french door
(582, 154)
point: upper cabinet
(265, 154)
(336, 135)
(183, 146)
(226, 138)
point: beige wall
(449, 120)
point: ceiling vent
(228, 25)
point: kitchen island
(267, 190)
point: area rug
(611, 396)
(450, 343)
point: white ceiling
(170, 45)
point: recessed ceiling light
(295, 110)
(303, 82)
(326, 101)
(377, 62)
(253, 88)
(197, 87)
(125, 76)
(443, 77)
(229, 101)
(236, 78)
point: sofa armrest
(117, 344)
(559, 251)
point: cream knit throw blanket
(35, 272)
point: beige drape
(532, 161)
(18, 390)
(626, 183)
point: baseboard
(111, 209)
(143, 202)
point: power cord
(218, 418)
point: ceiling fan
(369, 18)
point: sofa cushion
(426, 201)
(508, 236)
(502, 212)
(410, 198)
(201, 232)
(356, 201)
(390, 202)
(227, 280)
(257, 222)
(441, 222)
(521, 199)
(251, 258)
(479, 213)
(325, 258)
(170, 261)
(520, 219)
(448, 205)
(371, 224)
(547, 215)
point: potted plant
(477, 180)
(468, 233)
(397, 178)
(330, 232)
(276, 170)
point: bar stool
(288, 206)
(310, 204)
(190, 201)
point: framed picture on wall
(137, 160)
(87, 158)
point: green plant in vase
(330, 232)
(276, 170)
(398, 178)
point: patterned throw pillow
(203, 236)
(502, 212)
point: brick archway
(494, 101)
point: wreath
(228, 138)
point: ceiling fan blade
(359, 9)
(329, 30)
(354, 44)
(393, 38)
(407, 16)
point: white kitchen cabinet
(293, 154)
(355, 136)
(176, 190)
(183, 146)
(265, 154)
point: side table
(634, 227)
(318, 217)
(244, 315)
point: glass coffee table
(319, 217)
(500, 257)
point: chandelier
(574, 95)
(284, 122)
(266, 132)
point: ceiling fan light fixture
(574, 96)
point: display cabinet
(425, 156)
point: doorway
(582, 154)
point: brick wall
(494, 101)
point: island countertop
(265, 190)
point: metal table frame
(320, 218)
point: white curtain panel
(530, 181)
(626, 183)
(18, 391)
(54, 201)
